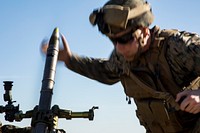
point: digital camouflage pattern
(184, 57)
(169, 66)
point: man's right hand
(64, 53)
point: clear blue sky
(24, 24)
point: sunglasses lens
(123, 39)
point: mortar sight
(8, 87)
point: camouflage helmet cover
(115, 16)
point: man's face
(126, 44)
(128, 50)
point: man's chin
(129, 58)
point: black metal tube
(48, 81)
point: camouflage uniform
(171, 64)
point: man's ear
(144, 31)
(144, 36)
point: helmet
(118, 15)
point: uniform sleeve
(183, 55)
(94, 68)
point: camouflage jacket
(170, 64)
(182, 55)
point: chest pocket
(133, 89)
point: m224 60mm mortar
(44, 118)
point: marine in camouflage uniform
(165, 66)
(182, 55)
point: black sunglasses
(124, 39)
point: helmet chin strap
(141, 43)
(140, 48)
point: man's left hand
(191, 103)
